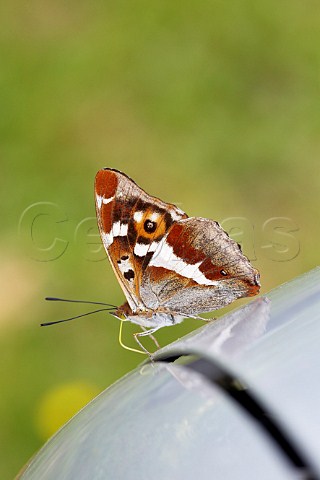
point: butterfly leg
(144, 334)
(153, 338)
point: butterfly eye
(150, 226)
(223, 272)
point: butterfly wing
(197, 268)
(132, 224)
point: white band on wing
(101, 200)
(141, 249)
(118, 230)
(164, 257)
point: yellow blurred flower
(59, 404)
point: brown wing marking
(217, 271)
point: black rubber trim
(241, 394)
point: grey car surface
(238, 398)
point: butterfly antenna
(78, 316)
(56, 299)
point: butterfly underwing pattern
(169, 266)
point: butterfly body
(149, 318)
(169, 266)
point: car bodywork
(237, 398)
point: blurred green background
(212, 105)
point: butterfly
(169, 266)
